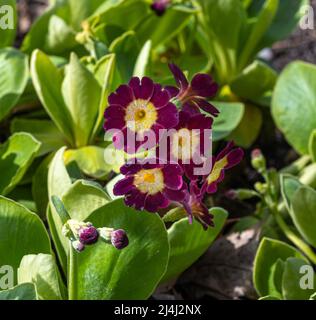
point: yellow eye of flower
(216, 171)
(140, 115)
(149, 181)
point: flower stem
(72, 275)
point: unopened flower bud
(231, 194)
(78, 246)
(160, 6)
(261, 187)
(105, 233)
(258, 161)
(119, 239)
(88, 234)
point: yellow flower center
(216, 171)
(140, 115)
(184, 143)
(149, 181)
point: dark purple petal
(142, 89)
(168, 116)
(114, 118)
(207, 107)
(156, 201)
(173, 91)
(123, 96)
(160, 97)
(191, 108)
(175, 195)
(123, 186)
(135, 199)
(172, 169)
(203, 85)
(130, 167)
(160, 6)
(88, 235)
(230, 145)
(234, 157)
(200, 121)
(179, 76)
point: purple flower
(226, 159)
(195, 207)
(88, 235)
(194, 95)
(160, 6)
(190, 142)
(136, 109)
(150, 186)
(119, 239)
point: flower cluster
(174, 125)
(82, 234)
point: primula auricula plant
(173, 125)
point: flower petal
(168, 116)
(156, 201)
(203, 85)
(160, 97)
(179, 76)
(142, 89)
(123, 96)
(123, 186)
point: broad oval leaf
(21, 233)
(25, 291)
(102, 272)
(288, 184)
(231, 114)
(189, 241)
(13, 78)
(16, 156)
(303, 213)
(292, 277)
(294, 104)
(312, 145)
(268, 253)
(42, 271)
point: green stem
(297, 241)
(72, 274)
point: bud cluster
(82, 234)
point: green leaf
(21, 233)
(142, 60)
(228, 119)
(247, 86)
(293, 104)
(42, 271)
(162, 29)
(126, 49)
(47, 81)
(13, 80)
(292, 280)
(103, 72)
(269, 298)
(16, 155)
(102, 272)
(268, 253)
(60, 37)
(288, 15)
(189, 241)
(249, 128)
(289, 184)
(260, 27)
(90, 160)
(303, 213)
(59, 183)
(25, 291)
(8, 18)
(83, 198)
(312, 145)
(44, 131)
(39, 186)
(82, 94)
(110, 185)
(275, 279)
